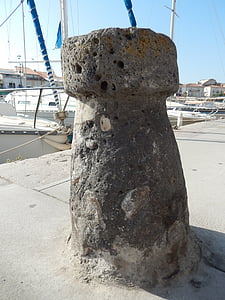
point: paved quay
(35, 224)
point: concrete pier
(128, 197)
(35, 261)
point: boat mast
(37, 26)
(64, 19)
(173, 13)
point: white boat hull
(9, 142)
(186, 115)
(20, 140)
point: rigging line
(221, 32)
(49, 5)
(24, 48)
(218, 20)
(215, 35)
(7, 25)
(21, 2)
(8, 30)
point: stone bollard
(128, 197)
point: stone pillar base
(128, 197)
(164, 264)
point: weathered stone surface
(128, 198)
(120, 62)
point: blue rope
(37, 26)
(128, 5)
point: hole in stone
(120, 192)
(97, 77)
(120, 64)
(104, 141)
(111, 51)
(112, 135)
(116, 118)
(77, 68)
(128, 36)
(114, 61)
(104, 85)
(113, 87)
(95, 40)
(94, 53)
(90, 124)
(143, 111)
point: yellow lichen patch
(131, 48)
(159, 44)
(164, 43)
(108, 41)
(140, 46)
(145, 43)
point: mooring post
(128, 197)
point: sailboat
(24, 137)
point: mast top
(64, 19)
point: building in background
(191, 90)
(25, 77)
(204, 88)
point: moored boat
(182, 114)
(25, 102)
(21, 137)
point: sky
(199, 32)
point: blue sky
(199, 30)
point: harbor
(126, 202)
(35, 256)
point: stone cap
(119, 62)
